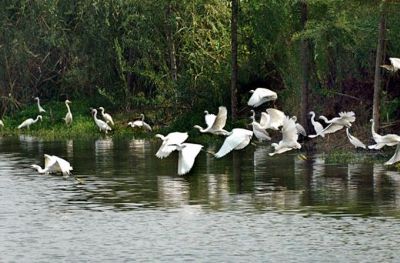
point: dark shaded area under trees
(176, 55)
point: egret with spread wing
(169, 143)
(260, 96)
(237, 139)
(217, 126)
(54, 164)
(290, 135)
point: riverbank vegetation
(172, 59)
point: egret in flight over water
(54, 164)
(260, 96)
(187, 155)
(237, 139)
(290, 135)
(28, 122)
(215, 124)
(169, 143)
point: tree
(234, 58)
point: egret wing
(187, 156)
(264, 120)
(236, 139)
(210, 119)
(220, 120)
(276, 118)
(396, 156)
(395, 63)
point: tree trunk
(171, 44)
(306, 66)
(234, 46)
(378, 63)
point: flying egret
(317, 125)
(187, 155)
(40, 108)
(217, 126)
(260, 96)
(103, 126)
(1, 124)
(140, 123)
(209, 118)
(28, 122)
(290, 136)
(54, 164)
(394, 65)
(107, 117)
(396, 156)
(272, 119)
(68, 116)
(355, 141)
(345, 119)
(169, 143)
(259, 132)
(237, 139)
(383, 140)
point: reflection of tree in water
(386, 188)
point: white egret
(345, 119)
(259, 132)
(209, 118)
(217, 126)
(383, 140)
(394, 65)
(290, 136)
(40, 108)
(140, 123)
(237, 139)
(68, 116)
(107, 117)
(28, 122)
(300, 129)
(272, 119)
(355, 141)
(395, 158)
(187, 155)
(317, 125)
(54, 164)
(260, 96)
(103, 126)
(1, 124)
(169, 143)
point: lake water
(246, 206)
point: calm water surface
(245, 206)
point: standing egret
(28, 122)
(260, 96)
(290, 135)
(394, 65)
(68, 116)
(54, 164)
(383, 140)
(317, 125)
(216, 126)
(140, 123)
(259, 132)
(169, 143)
(40, 108)
(1, 124)
(237, 139)
(103, 126)
(187, 155)
(355, 141)
(107, 117)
